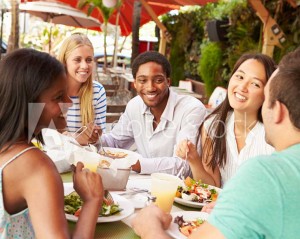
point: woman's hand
(90, 189)
(90, 135)
(87, 184)
(188, 151)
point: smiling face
(54, 107)
(246, 87)
(152, 85)
(79, 64)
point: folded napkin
(59, 159)
(63, 149)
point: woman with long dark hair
(34, 96)
(233, 132)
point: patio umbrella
(59, 13)
(159, 7)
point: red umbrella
(126, 11)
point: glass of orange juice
(163, 187)
(90, 161)
(91, 164)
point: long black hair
(218, 142)
(24, 75)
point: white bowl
(114, 179)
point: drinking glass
(163, 187)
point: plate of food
(117, 210)
(117, 153)
(117, 158)
(196, 194)
(185, 222)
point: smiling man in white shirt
(157, 119)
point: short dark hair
(285, 86)
(151, 56)
(24, 75)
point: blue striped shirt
(99, 103)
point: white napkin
(116, 164)
(65, 150)
(59, 159)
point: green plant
(245, 34)
(209, 67)
(105, 12)
(187, 31)
(177, 61)
(177, 56)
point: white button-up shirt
(180, 120)
(255, 144)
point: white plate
(189, 203)
(187, 215)
(124, 204)
(138, 200)
(194, 204)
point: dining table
(122, 229)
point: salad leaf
(73, 202)
(199, 221)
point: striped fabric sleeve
(73, 116)
(99, 103)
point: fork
(107, 196)
(134, 191)
(101, 150)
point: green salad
(73, 205)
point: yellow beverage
(164, 199)
(91, 166)
(163, 187)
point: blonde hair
(86, 91)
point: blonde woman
(88, 96)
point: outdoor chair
(110, 87)
(186, 84)
(114, 112)
(111, 90)
(217, 97)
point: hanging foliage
(187, 32)
(190, 45)
(210, 63)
